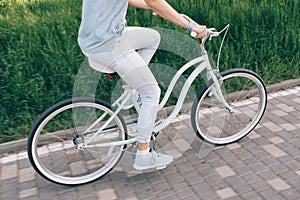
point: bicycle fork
(213, 74)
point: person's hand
(200, 30)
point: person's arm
(139, 4)
(166, 11)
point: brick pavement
(263, 165)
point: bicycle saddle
(101, 68)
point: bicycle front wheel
(245, 92)
(62, 145)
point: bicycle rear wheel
(57, 144)
(245, 92)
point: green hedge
(40, 57)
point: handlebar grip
(212, 32)
(209, 31)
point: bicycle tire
(56, 135)
(243, 90)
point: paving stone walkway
(263, 165)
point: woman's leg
(145, 42)
(130, 59)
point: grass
(40, 57)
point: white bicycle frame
(202, 62)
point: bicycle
(79, 140)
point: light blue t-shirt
(102, 21)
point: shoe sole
(140, 167)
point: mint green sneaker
(152, 160)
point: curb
(10, 147)
(283, 85)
